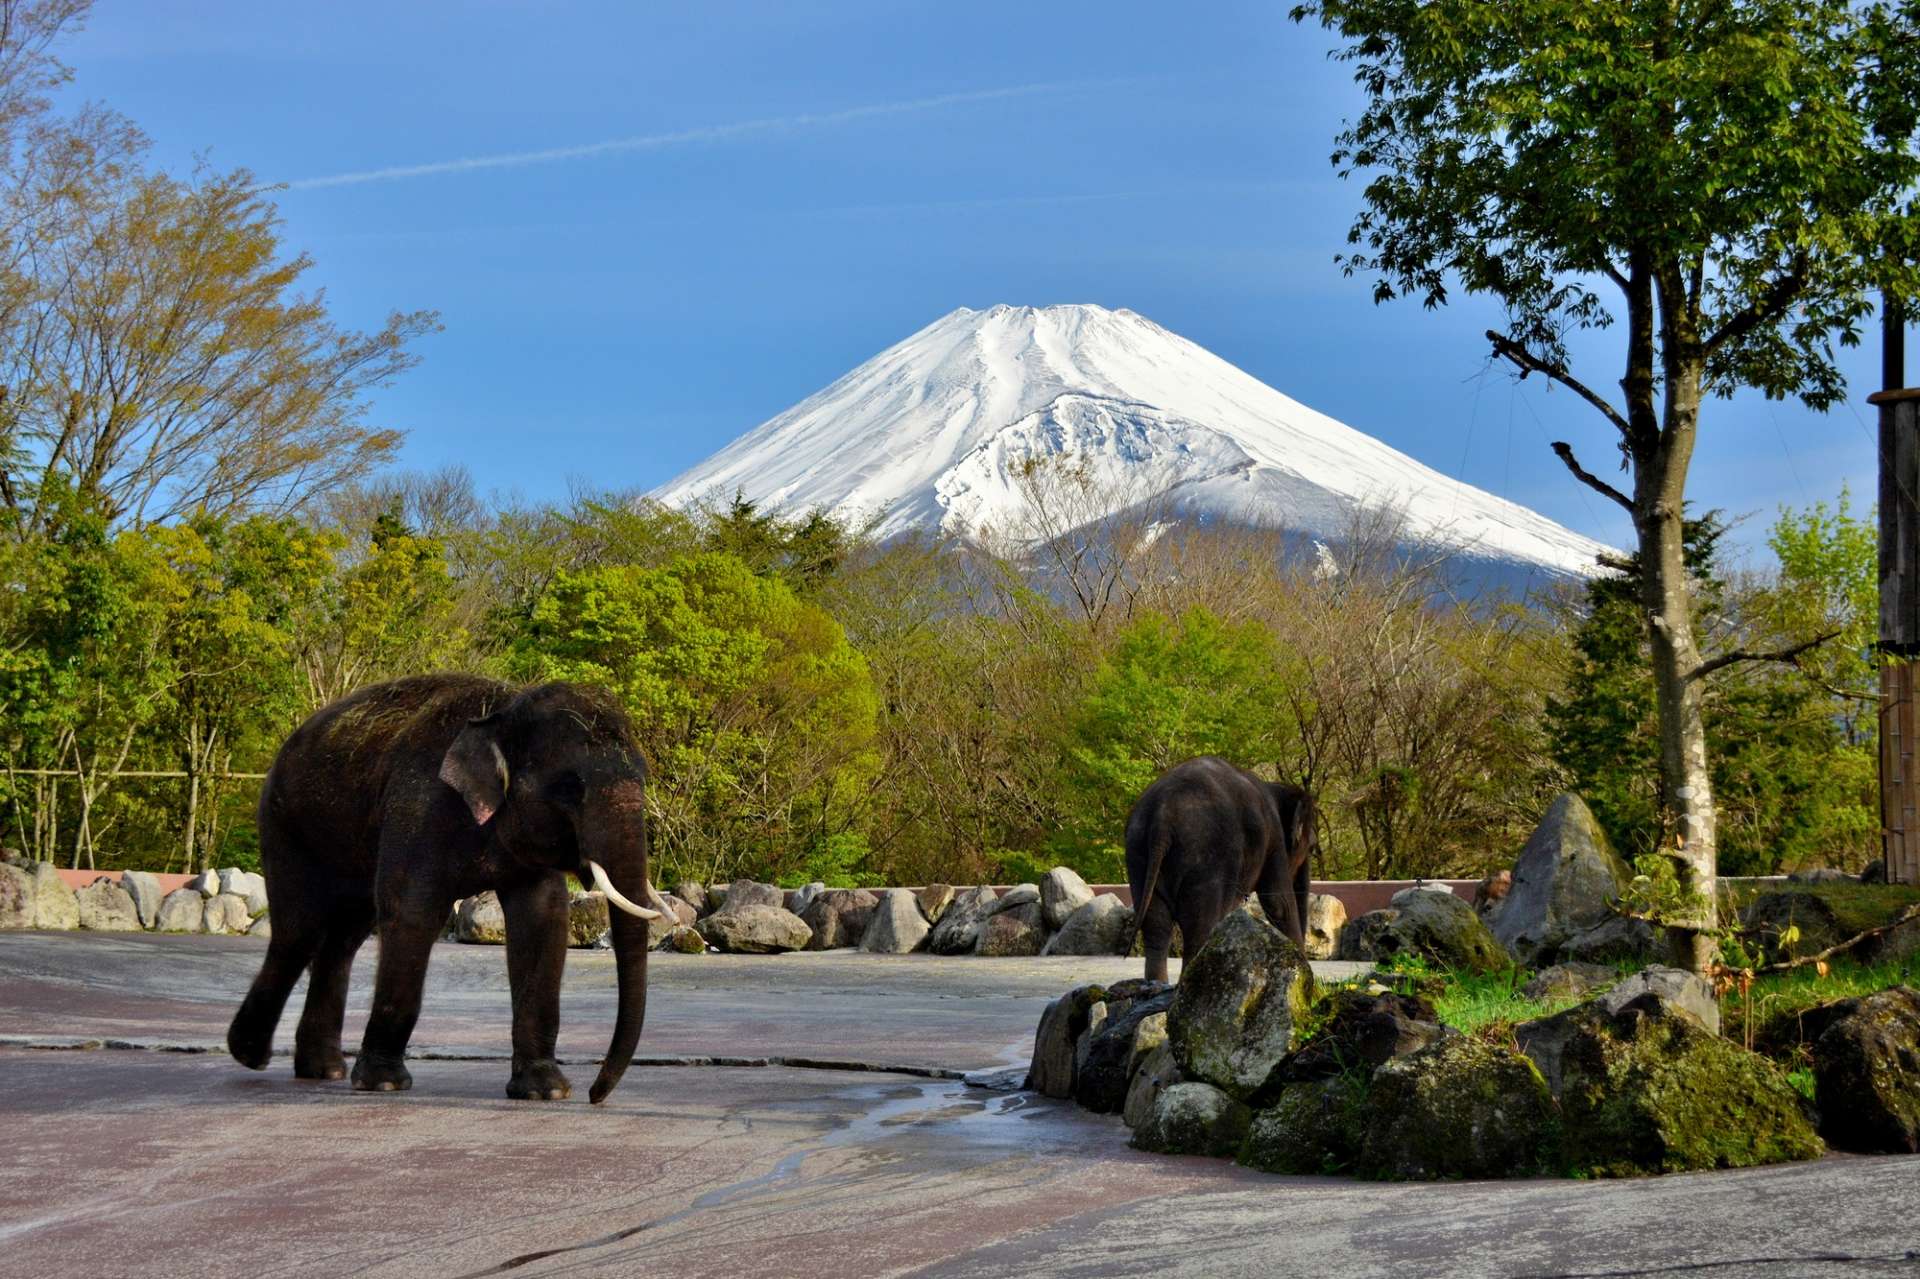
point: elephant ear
(475, 767)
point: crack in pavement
(1911, 1255)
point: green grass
(1778, 995)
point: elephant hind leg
(1156, 938)
(316, 1044)
(250, 1036)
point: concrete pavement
(141, 1161)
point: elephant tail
(1159, 839)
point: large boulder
(958, 931)
(1101, 927)
(261, 927)
(53, 902)
(206, 883)
(683, 939)
(800, 898)
(248, 886)
(1645, 1088)
(934, 900)
(1104, 1066)
(1311, 1128)
(1436, 926)
(1014, 932)
(144, 888)
(227, 913)
(754, 930)
(678, 909)
(1062, 892)
(16, 897)
(1194, 1119)
(480, 920)
(183, 910)
(1866, 1072)
(897, 927)
(1240, 1002)
(1619, 939)
(1056, 1040)
(743, 894)
(1326, 916)
(694, 894)
(1687, 991)
(587, 920)
(1565, 882)
(1461, 1107)
(1770, 916)
(1156, 1073)
(1358, 1031)
(106, 907)
(1569, 981)
(1018, 895)
(838, 917)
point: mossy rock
(1194, 1119)
(1866, 1070)
(1353, 1031)
(1239, 1004)
(1648, 1089)
(1312, 1128)
(1462, 1107)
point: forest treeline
(817, 704)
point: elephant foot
(539, 1081)
(380, 1074)
(324, 1064)
(250, 1048)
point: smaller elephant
(1203, 836)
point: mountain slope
(930, 432)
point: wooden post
(1899, 630)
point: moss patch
(1461, 1108)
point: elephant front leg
(406, 942)
(536, 958)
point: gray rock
(183, 910)
(1313, 1128)
(1441, 928)
(587, 919)
(1565, 881)
(1194, 1119)
(16, 897)
(1568, 981)
(679, 909)
(1013, 932)
(1240, 1001)
(1056, 1041)
(1822, 875)
(145, 891)
(247, 885)
(798, 899)
(685, 940)
(1361, 938)
(480, 921)
(1689, 992)
(1018, 895)
(206, 883)
(53, 902)
(227, 913)
(106, 907)
(958, 931)
(1101, 927)
(754, 930)
(694, 894)
(1770, 915)
(743, 894)
(934, 900)
(1356, 1033)
(716, 898)
(1874, 872)
(261, 927)
(1616, 940)
(1326, 916)
(1866, 1071)
(1157, 1072)
(1461, 1107)
(1062, 892)
(897, 927)
(1104, 1065)
(839, 917)
(1096, 1021)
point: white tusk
(605, 885)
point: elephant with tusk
(389, 805)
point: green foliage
(755, 712)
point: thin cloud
(681, 137)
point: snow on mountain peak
(930, 434)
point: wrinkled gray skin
(1203, 836)
(391, 804)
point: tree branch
(1564, 451)
(1771, 305)
(1911, 912)
(1527, 362)
(1788, 655)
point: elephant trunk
(614, 848)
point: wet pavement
(155, 1157)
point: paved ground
(143, 1161)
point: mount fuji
(932, 434)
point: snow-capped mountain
(931, 433)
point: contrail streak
(682, 137)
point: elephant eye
(567, 788)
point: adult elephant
(394, 802)
(1203, 836)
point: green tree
(1733, 175)
(391, 608)
(756, 714)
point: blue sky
(795, 186)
